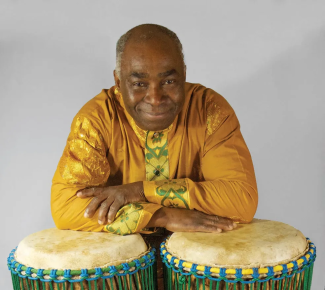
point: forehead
(151, 56)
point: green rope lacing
(74, 272)
(143, 279)
(176, 277)
(137, 274)
(299, 280)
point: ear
(117, 80)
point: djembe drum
(262, 255)
(69, 260)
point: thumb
(87, 192)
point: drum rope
(173, 264)
(287, 279)
(142, 265)
(194, 273)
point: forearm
(68, 210)
(159, 219)
(232, 199)
(184, 220)
(68, 213)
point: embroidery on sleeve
(127, 220)
(84, 158)
(215, 116)
(174, 192)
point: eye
(169, 82)
(139, 84)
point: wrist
(159, 218)
(141, 191)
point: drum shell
(298, 281)
(138, 281)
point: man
(154, 151)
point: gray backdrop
(267, 59)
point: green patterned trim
(156, 156)
(174, 193)
(152, 154)
(127, 220)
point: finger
(103, 210)
(93, 206)
(208, 228)
(226, 221)
(113, 209)
(222, 223)
(88, 192)
(231, 224)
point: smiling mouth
(156, 114)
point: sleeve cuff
(132, 218)
(169, 193)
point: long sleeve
(229, 187)
(84, 164)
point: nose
(154, 95)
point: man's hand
(184, 220)
(110, 199)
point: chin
(159, 127)
(154, 126)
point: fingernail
(219, 230)
(234, 225)
(86, 215)
(230, 227)
(109, 221)
(79, 194)
(100, 222)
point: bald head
(144, 33)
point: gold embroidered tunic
(200, 162)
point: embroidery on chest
(156, 156)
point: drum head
(261, 243)
(64, 249)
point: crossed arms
(226, 193)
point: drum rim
(294, 265)
(69, 275)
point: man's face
(152, 82)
